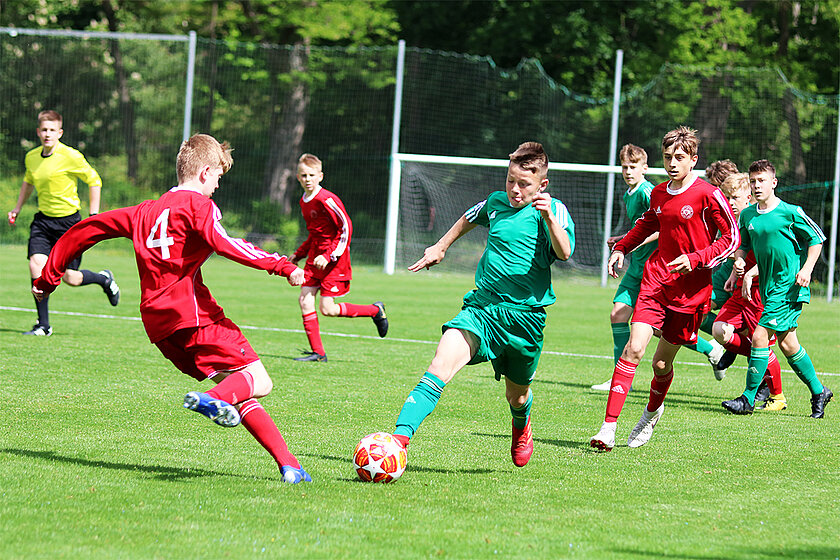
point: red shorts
(676, 328)
(332, 285)
(202, 352)
(743, 314)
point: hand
(613, 240)
(731, 283)
(680, 265)
(803, 278)
(296, 277)
(12, 217)
(542, 202)
(746, 287)
(739, 266)
(615, 263)
(39, 294)
(431, 256)
(320, 262)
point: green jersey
(636, 203)
(779, 237)
(515, 267)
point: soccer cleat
(522, 445)
(727, 359)
(640, 435)
(312, 357)
(818, 402)
(605, 386)
(773, 403)
(715, 357)
(110, 288)
(604, 440)
(217, 410)
(293, 475)
(39, 330)
(763, 392)
(381, 320)
(739, 406)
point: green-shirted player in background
(786, 244)
(502, 320)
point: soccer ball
(379, 457)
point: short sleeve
(564, 219)
(806, 229)
(478, 214)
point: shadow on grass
(409, 468)
(768, 551)
(570, 444)
(155, 471)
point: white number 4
(163, 242)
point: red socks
(313, 332)
(774, 375)
(353, 310)
(659, 386)
(622, 379)
(257, 421)
(739, 344)
(235, 388)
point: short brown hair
(532, 157)
(735, 182)
(312, 161)
(720, 170)
(200, 150)
(682, 137)
(761, 166)
(50, 115)
(633, 154)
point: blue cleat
(293, 475)
(220, 412)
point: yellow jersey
(56, 177)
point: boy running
(677, 280)
(502, 320)
(327, 252)
(173, 236)
(786, 244)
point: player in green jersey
(786, 244)
(502, 320)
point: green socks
(703, 346)
(804, 368)
(520, 415)
(421, 401)
(621, 335)
(756, 370)
(708, 321)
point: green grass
(99, 460)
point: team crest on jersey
(313, 214)
(687, 212)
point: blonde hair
(200, 150)
(735, 182)
(50, 115)
(531, 156)
(633, 154)
(682, 137)
(720, 170)
(310, 160)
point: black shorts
(45, 231)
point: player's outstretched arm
(434, 254)
(25, 190)
(560, 242)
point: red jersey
(688, 221)
(330, 230)
(172, 236)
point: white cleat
(605, 386)
(604, 440)
(644, 428)
(714, 358)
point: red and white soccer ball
(379, 457)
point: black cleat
(818, 402)
(381, 320)
(739, 406)
(110, 288)
(727, 359)
(763, 392)
(312, 357)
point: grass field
(99, 460)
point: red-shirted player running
(327, 252)
(173, 236)
(677, 280)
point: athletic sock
(235, 388)
(804, 369)
(354, 310)
(702, 345)
(708, 321)
(258, 422)
(421, 401)
(43, 309)
(520, 415)
(755, 371)
(313, 332)
(659, 386)
(739, 344)
(620, 334)
(774, 375)
(90, 277)
(620, 384)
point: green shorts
(628, 290)
(510, 337)
(780, 316)
(719, 277)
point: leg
(310, 324)
(42, 327)
(519, 398)
(620, 327)
(801, 364)
(103, 279)
(663, 374)
(759, 358)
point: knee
(661, 367)
(329, 310)
(719, 332)
(633, 352)
(262, 385)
